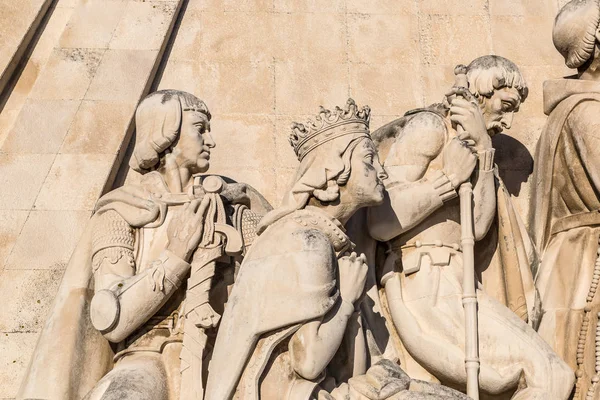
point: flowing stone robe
(288, 277)
(566, 222)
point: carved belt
(576, 221)
(438, 252)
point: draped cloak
(287, 278)
(71, 356)
(565, 217)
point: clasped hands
(460, 154)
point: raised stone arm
(413, 194)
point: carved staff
(467, 241)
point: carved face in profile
(364, 187)
(192, 150)
(499, 109)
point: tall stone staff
(467, 241)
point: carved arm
(120, 308)
(313, 346)
(124, 300)
(408, 204)
(484, 194)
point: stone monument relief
(441, 242)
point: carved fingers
(459, 161)
(460, 91)
(467, 114)
(353, 276)
(185, 229)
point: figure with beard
(426, 161)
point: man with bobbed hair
(142, 295)
(427, 158)
(565, 203)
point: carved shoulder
(113, 240)
(584, 119)
(287, 236)
(421, 140)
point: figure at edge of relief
(294, 306)
(135, 314)
(565, 203)
(421, 271)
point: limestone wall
(259, 64)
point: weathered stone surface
(95, 24)
(370, 36)
(41, 248)
(11, 223)
(28, 136)
(18, 24)
(397, 80)
(442, 37)
(32, 293)
(22, 176)
(115, 79)
(143, 25)
(299, 85)
(240, 88)
(63, 190)
(91, 129)
(17, 348)
(67, 74)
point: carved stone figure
(135, 313)
(566, 204)
(291, 328)
(422, 273)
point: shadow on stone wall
(514, 162)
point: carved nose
(507, 120)
(208, 140)
(381, 174)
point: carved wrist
(347, 306)
(443, 186)
(486, 159)
(175, 268)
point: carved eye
(506, 105)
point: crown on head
(328, 125)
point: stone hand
(205, 316)
(185, 229)
(459, 161)
(465, 111)
(353, 277)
